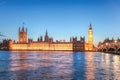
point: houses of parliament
(47, 43)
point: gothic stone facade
(47, 44)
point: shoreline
(48, 50)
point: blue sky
(62, 18)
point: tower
(46, 37)
(90, 38)
(22, 35)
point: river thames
(32, 65)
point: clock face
(90, 32)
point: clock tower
(90, 38)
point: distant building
(48, 44)
(4, 45)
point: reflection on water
(58, 66)
(90, 67)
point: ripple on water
(59, 66)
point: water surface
(31, 65)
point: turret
(22, 35)
(71, 39)
(41, 38)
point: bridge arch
(118, 50)
(104, 50)
(111, 49)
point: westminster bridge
(109, 46)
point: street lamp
(107, 45)
(115, 41)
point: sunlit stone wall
(63, 46)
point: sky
(62, 18)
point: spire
(23, 26)
(19, 29)
(46, 34)
(90, 27)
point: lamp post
(107, 46)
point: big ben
(90, 38)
